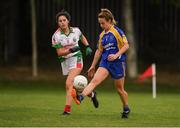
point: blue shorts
(116, 68)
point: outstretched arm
(91, 70)
(97, 56)
(85, 42)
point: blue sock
(126, 109)
(80, 97)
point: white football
(80, 82)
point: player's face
(63, 22)
(104, 23)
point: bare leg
(119, 83)
(99, 76)
(69, 84)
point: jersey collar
(109, 29)
(70, 31)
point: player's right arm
(91, 70)
(60, 50)
(64, 51)
(97, 56)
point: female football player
(65, 41)
(111, 50)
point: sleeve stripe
(100, 47)
(56, 46)
(120, 40)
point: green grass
(40, 103)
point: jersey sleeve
(123, 36)
(79, 33)
(120, 37)
(55, 43)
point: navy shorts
(116, 68)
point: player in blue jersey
(111, 50)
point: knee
(122, 92)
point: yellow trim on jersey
(124, 39)
(118, 37)
(121, 40)
(100, 47)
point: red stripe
(79, 65)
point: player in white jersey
(65, 41)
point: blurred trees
(9, 31)
(129, 26)
(155, 24)
(157, 29)
(34, 39)
(14, 32)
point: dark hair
(63, 13)
(107, 14)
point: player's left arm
(85, 42)
(122, 50)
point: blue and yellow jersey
(111, 42)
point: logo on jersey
(111, 38)
(68, 41)
(109, 46)
(74, 39)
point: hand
(88, 51)
(74, 49)
(112, 57)
(91, 72)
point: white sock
(92, 94)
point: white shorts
(70, 63)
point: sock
(126, 108)
(80, 97)
(67, 108)
(91, 95)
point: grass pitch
(40, 103)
